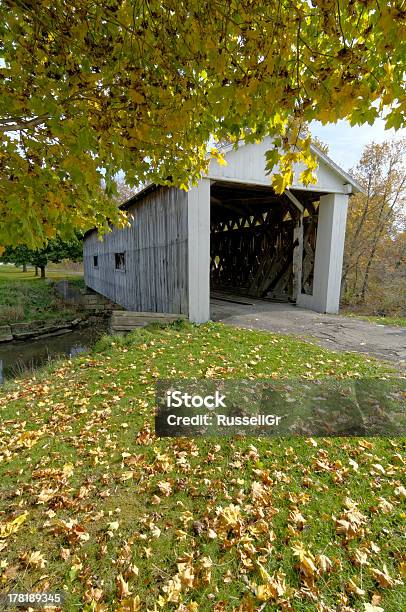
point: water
(18, 357)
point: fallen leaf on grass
(113, 526)
(274, 586)
(130, 605)
(10, 573)
(131, 571)
(378, 468)
(156, 532)
(68, 469)
(229, 577)
(297, 518)
(306, 560)
(206, 565)
(186, 574)
(384, 505)
(173, 589)
(74, 532)
(351, 522)
(28, 439)
(34, 559)
(93, 595)
(76, 567)
(6, 529)
(383, 578)
(360, 557)
(352, 587)
(165, 488)
(400, 492)
(122, 587)
(325, 564)
(126, 476)
(376, 599)
(371, 608)
(192, 606)
(353, 464)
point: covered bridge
(231, 234)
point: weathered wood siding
(155, 278)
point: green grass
(397, 321)
(79, 446)
(12, 273)
(25, 297)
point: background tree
(20, 256)
(124, 191)
(55, 251)
(374, 261)
(91, 88)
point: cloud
(346, 143)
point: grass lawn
(12, 273)
(94, 504)
(26, 297)
(398, 321)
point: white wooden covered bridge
(230, 234)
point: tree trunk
(366, 276)
(24, 267)
(350, 250)
(42, 268)
(381, 226)
(36, 270)
(369, 264)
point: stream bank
(27, 345)
(20, 357)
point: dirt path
(336, 332)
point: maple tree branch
(21, 124)
(340, 24)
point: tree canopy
(375, 254)
(90, 88)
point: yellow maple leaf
(132, 604)
(67, 469)
(6, 529)
(306, 559)
(218, 157)
(279, 183)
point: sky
(346, 143)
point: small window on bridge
(95, 261)
(119, 261)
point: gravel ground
(336, 332)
